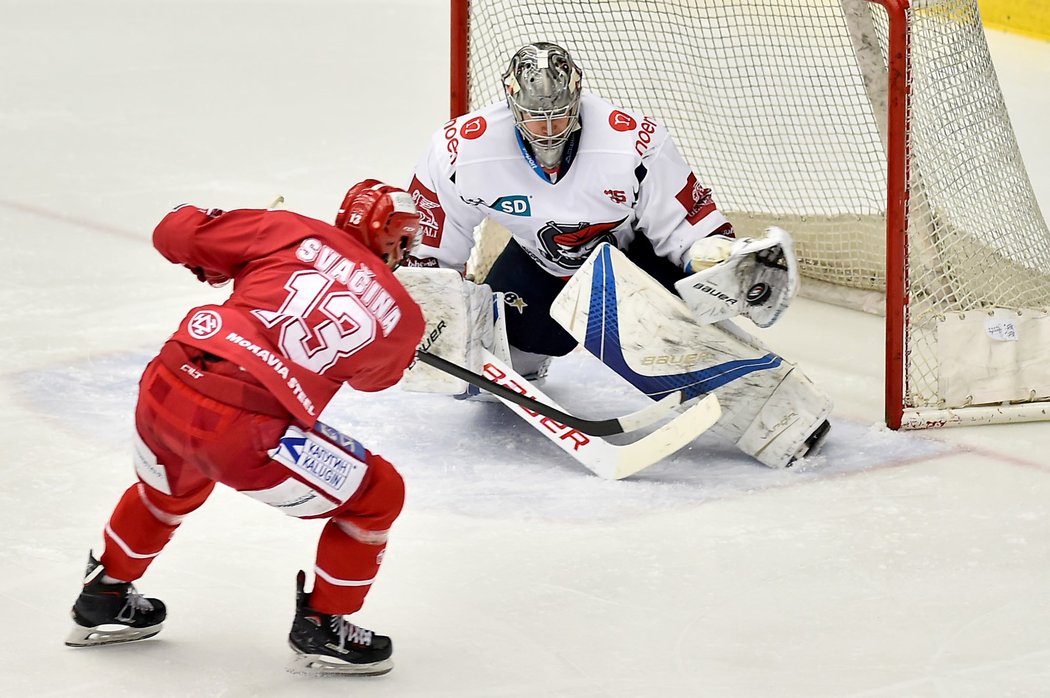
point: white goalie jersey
(626, 177)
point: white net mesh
(780, 108)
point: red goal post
(873, 130)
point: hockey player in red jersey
(234, 396)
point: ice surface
(891, 564)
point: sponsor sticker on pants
(327, 467)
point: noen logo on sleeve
(514, 205)
(324, 465)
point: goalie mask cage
(874, 131)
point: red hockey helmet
(383, 216)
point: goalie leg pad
(649, 337)
(775, 431)
(462, 317)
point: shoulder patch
(622, 121)
(473, 128)
(431, 215)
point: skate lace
(134, 603)
(350, 633)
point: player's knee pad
(172, 505)
(367, 518)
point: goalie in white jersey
(563, 172)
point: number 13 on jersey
(320, 326)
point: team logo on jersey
(621, 121)
(475, 128)
(695, 199)
(514, 205)
(431, 215)
(204, 324)
(569, 244)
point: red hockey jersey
(311, 306)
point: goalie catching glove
(753, 277)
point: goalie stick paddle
(592, 427)
(604, 459)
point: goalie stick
(592, 427)
(604, 459)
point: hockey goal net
(874, 131)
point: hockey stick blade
(608, 460)
(592, 427)
(669, 438)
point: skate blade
(80, 636)
(318, 665)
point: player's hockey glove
(753, 277)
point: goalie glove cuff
(707, 252)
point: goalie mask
(543, 92)
(383, 217)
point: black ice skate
(105, 614)
(326, 644)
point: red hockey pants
(187, 442)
